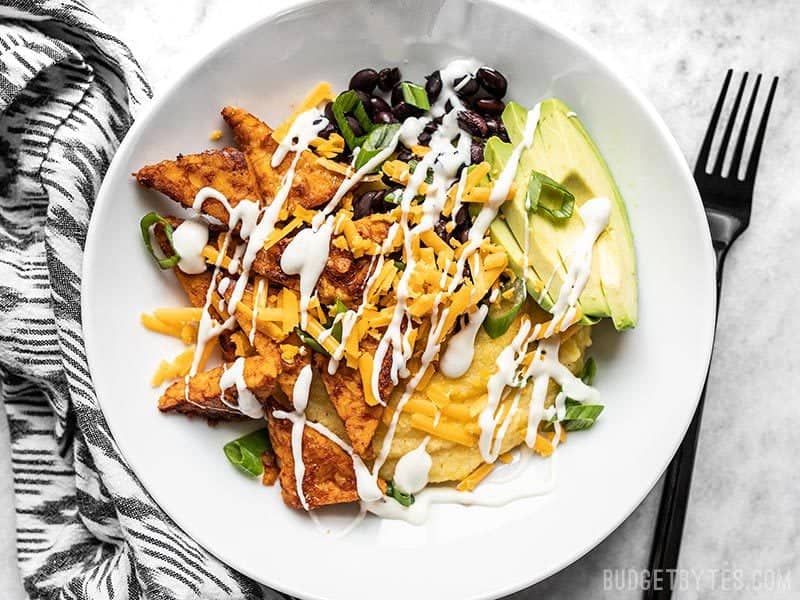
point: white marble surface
(743, 514)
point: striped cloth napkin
(86, 529)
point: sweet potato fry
(225, 170)
(329, 476)
(203, 398)
(313, 185)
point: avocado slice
(563, 150)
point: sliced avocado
(563, 150)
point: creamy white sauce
(595, 214)
(224, 283)
(524, 485)
(460, 350)
(412, 470)
(506, 375)
(306, 256)
(247, 403)
(189, 239)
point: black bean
(366, 202)
(387, 78)
(489, 106)
(448, 106)
(462, 217)
(424, 138)
(503, 134)
(378, 104)
(476, 152)
(355, 125)
(329, 113)
(397, 92)
(432, 126)
(492, 81)
(364, 80)
(405, 155)
(403, 110)
(327, 131)
(472, 123)
(433, 86)
(493, 125)
(463, 225)
(364, 97)
(440, 228)
(468, 89)
(384, 117)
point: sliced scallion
(399, 265)
(505, 309)
(149, 221)
(245, 452)
(549, 197)
(310, 341)
(349, 103)
(588, 371)
(336, 331)
(402, 498)
(415, 95)
(377, 140)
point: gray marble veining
(743, 526)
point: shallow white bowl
(650, 378)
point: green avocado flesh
(563, 150)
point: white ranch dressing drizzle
(595, 214)
(460, 351)
(306, 256)
(300, 393)
(444, 160)
(256, 301)
(412, 470)
(189, 239)
(247, 403)
(487, 495)
(507, 364)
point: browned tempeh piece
(329, 477)
(347, 396)
(225, 170)
(260, 374)
(343, 277)
(313, 185)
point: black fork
(727, 200)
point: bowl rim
(610, 69)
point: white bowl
(650, 378)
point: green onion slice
(245, 452)
(393, 492)
(588, 371)
(577, 416)
(549, 197)
(504, 310)
(346, 103)
(412, 166)
(399, 265)
(146, 224)
(415, 95)
(377, 140)
(336, 331)
(310, 341)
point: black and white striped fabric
(85, 527)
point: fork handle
(677, 484)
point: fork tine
(705, 149)
(739, 149)
(726, 137)
(750, 176)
